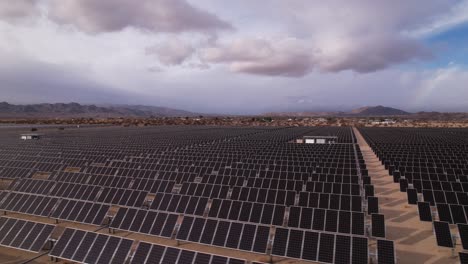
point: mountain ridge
(66, 110)
(365, 111)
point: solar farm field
(202, 194)
(430, 166)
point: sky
(237, 57)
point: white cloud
(285, 57)
(361, 36)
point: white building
(30, 136)
(320, 139)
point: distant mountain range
(75, 110)
(363, 111)
(71, 110)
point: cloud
(443, 88)
(298, 57)
(172, 51)
(153, 15)
(23, 80)
(286, 38)
(363, 36)
(457, 15)
(273, 57)
(373, 54)
(18, 10)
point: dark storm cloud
(23, 80)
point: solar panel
(357, 227)
(331, 221)
(343, 249)
(186, 257)
(463, 231)
(326, 250)
(221, 233)
(444, 213)
(141, 253)
(197, 229)
(234, 235)
(208, 231)
(425, 212)
(319, 219)
(385, 252)
(403, 185)
(295, 217)
(294, 248)
(261, 239)
(359, 250)
(372, 205)
(463, 257)
(156, 253)
(443, 235)
(458, 214)
(280, 242)
(344, 224)
(171, 255)
(247, 239)
(378, 225)
(311, 240)
(412, 196)
(369, 190)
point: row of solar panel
(453, 214)
(234, 235)
(440, 185)
(439, 197)
(321, 247)
(411, 176)
(188, 161)
(183, 204)
(108, 170)
(263, 195)
(89, 247)
(220, 233)
(144, 221)
(28, 203)
(152, 186)
(253, 212)
(108, 195)
(327, 220)
(146, 252)
(24, 235)
(71, 210)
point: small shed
(320, 139)
(30, 136)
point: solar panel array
(321, 247)
(24, 235)
(89, 247)
(248, 189)
(431, 166)
(154, 253)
